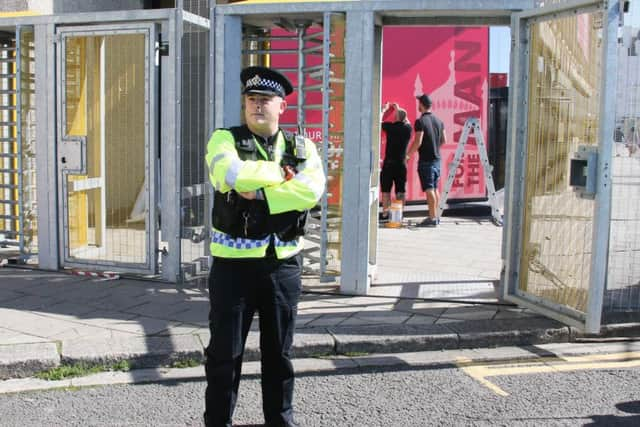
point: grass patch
(323, 355)
(356, 353)
(80, 370)
(189, 363)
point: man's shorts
(393, 173)
(429, 173)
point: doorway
(106, 152)
(460, 258)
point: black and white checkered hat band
(257, 83)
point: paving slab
(421, 320)
(32, 323)
(328, 320)
(155, 324)
(8, 336)
(392, 338)
(90, 332)
(139, 351)
(313, 342)
(22, 360)
(512, 332)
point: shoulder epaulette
(243, 139)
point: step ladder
(473, 125)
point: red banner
(451, 64)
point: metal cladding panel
(489, 7)
(48, 236)
(170, 172)
(357, 153)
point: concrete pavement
(47, 319)
(418, 303)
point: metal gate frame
(171, 22)
(362, 53)
(516, 166)
(150, 142)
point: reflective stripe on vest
(239, 243)
(225, 246)
(283, 243)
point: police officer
(265, 180)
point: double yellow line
(480, 371)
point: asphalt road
(363, 397)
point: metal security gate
(106, 102)
(310, 52)
(559, 154)
(18, 225)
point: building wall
(47, 7)
(13, 5)
(69, 6)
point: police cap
(265, 81)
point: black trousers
(237, 289)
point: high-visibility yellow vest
(230, 171)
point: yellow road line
(480, 371)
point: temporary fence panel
(622, 295)
(194, 211)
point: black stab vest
(242, 218)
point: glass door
(107, 146)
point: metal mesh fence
(623, 278)
(194, 211)
(105, 92)
(565, 75)
(197, 7)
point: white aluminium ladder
(472, 125)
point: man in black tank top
(429, 137)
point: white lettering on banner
(313, 134)
(473, 175)
(469, 87)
